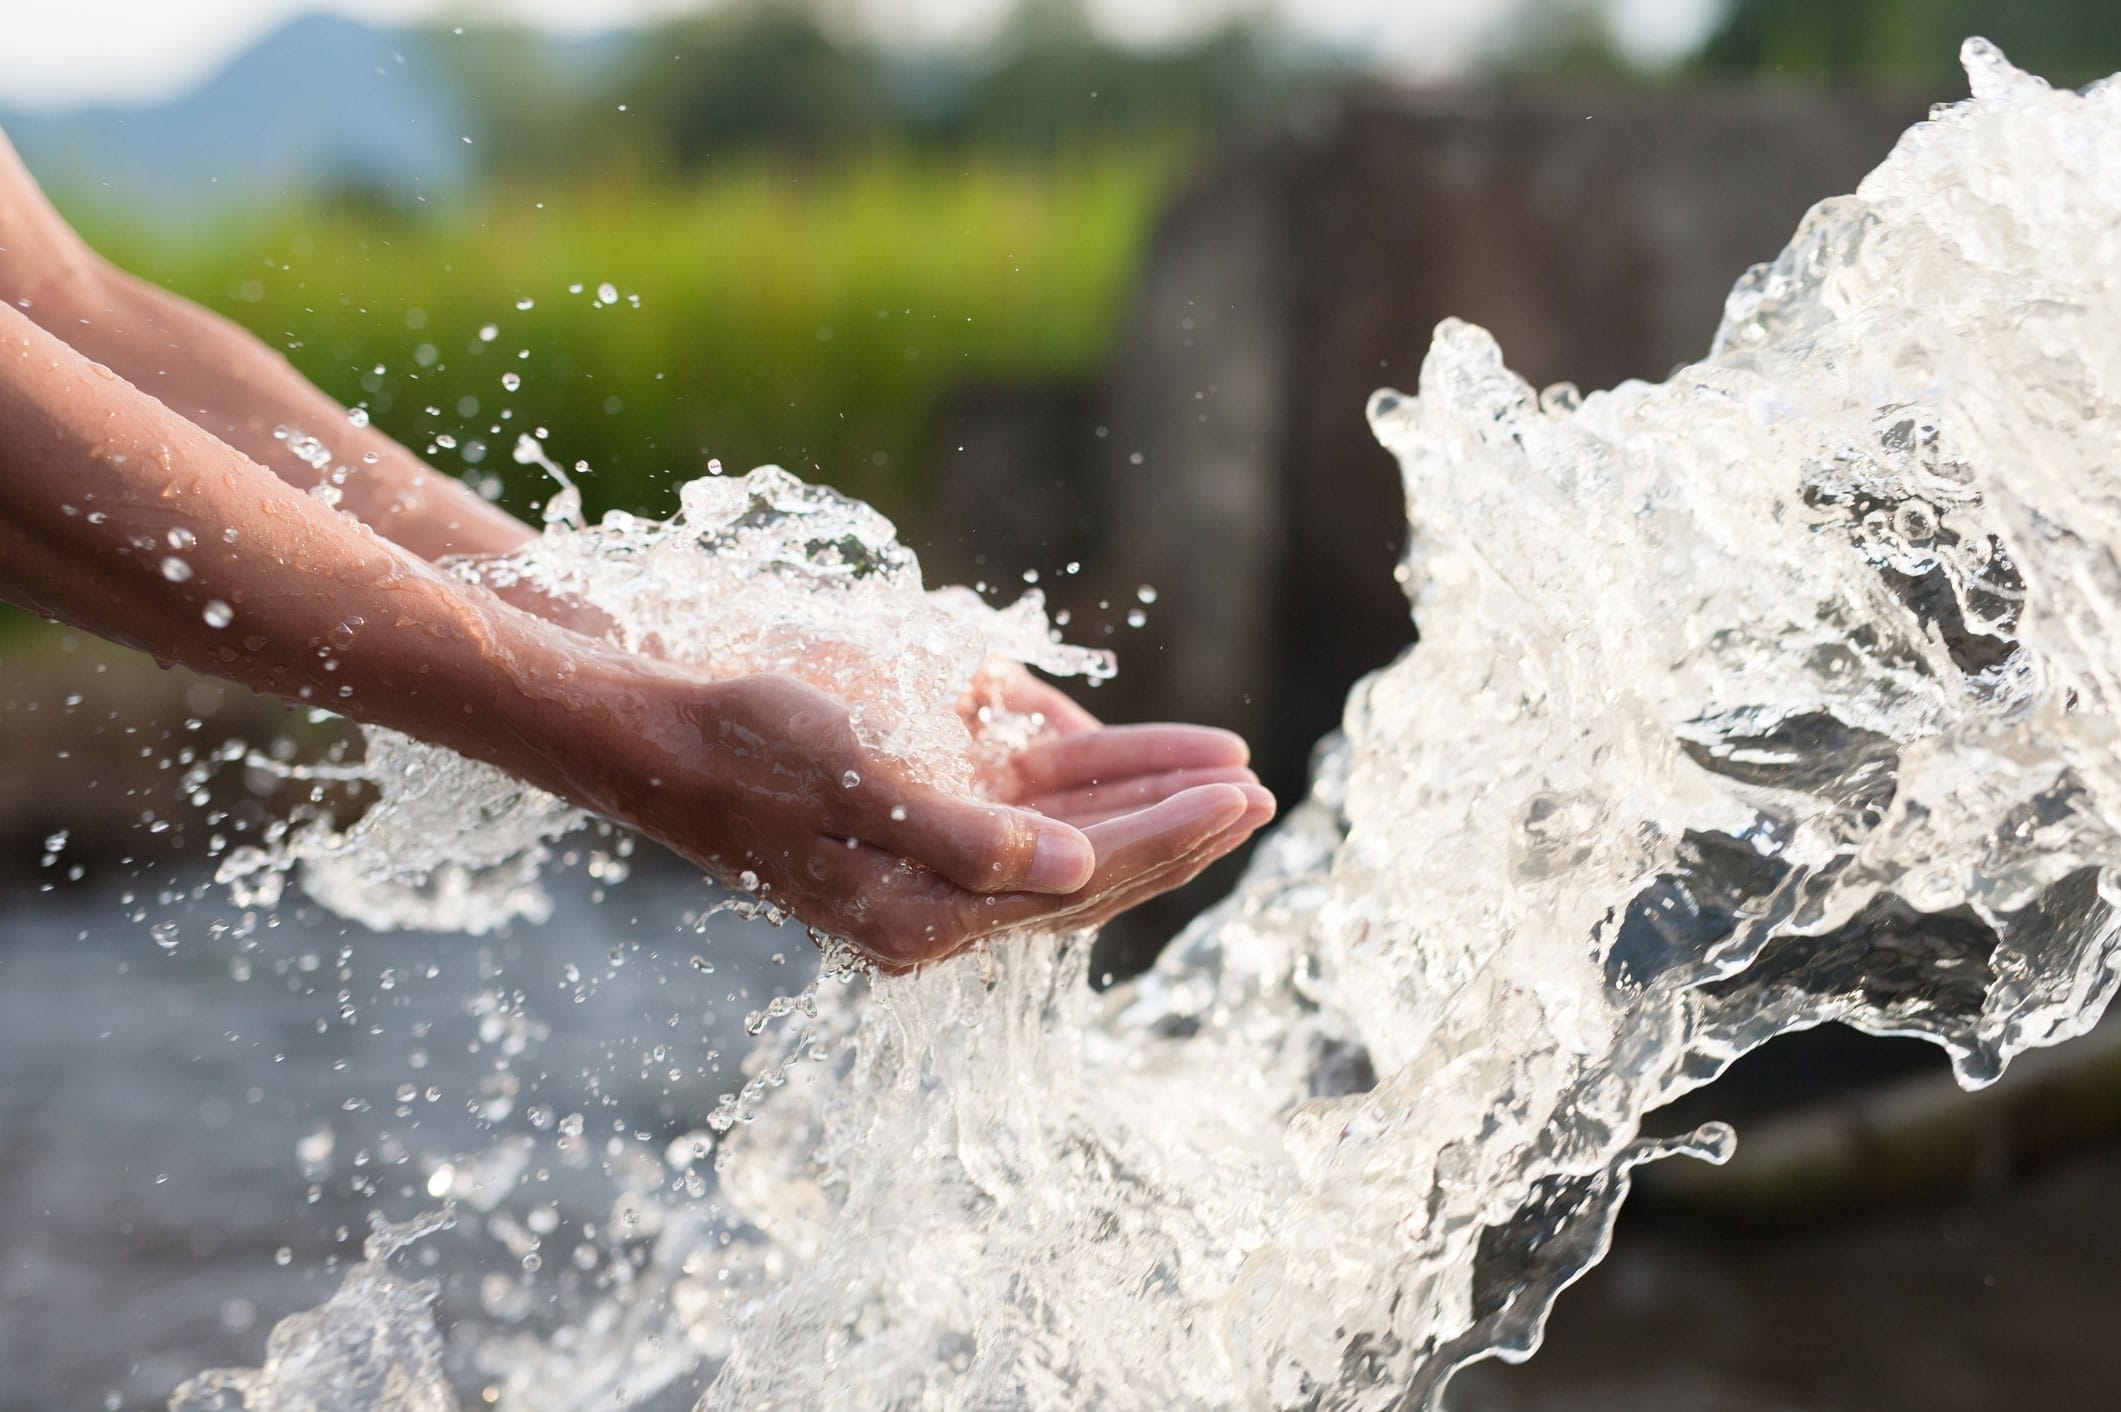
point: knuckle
(1012, 844)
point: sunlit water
(1780, 692)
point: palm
(1082, 772)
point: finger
(903, 916)
(1175, 876)
(1121, 752)
(1129, 848)
(979, 847)
(1094, 804)
(1027, 695)
(1259, 809)
(1093, 908)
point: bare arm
(122, 518)
(218, 376)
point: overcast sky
(62, 53)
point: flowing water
(1783, 691)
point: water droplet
(607, 293)
(850, 780)
(489, 332)
(175, 569)
(511, 380)
(358, 416)
(898, 813)
(165, 935)
(526, 303)
(1136, 617)
(182, 538)
(217, 613)
(1145, 593)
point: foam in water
(1780, 692)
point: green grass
(810, 316)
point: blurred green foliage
(813, 315)
(777, 76)
(1910, 44)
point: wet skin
(137, 429)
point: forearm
(220, 377)
(213, 373)
(126, 520)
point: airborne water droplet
(217, 613)
(175, 569)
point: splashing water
(754, 574)
(1781, 692)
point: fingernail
(1062, 862)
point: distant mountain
(321, 102)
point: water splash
(759, 573)
(1780, 692)
(372, 1344)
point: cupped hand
(764, 776)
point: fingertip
(1207, 745)
(1260, 804)
(1223, 804)
(1062, 860)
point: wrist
(589, 723)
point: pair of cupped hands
(172, 422)
(750, 780)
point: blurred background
(1087, 290)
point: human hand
(751, 776)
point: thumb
(981, 847)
